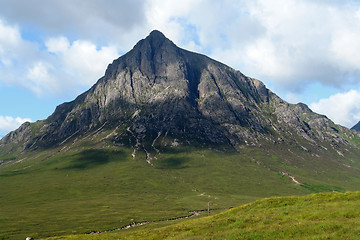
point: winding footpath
(135, 224)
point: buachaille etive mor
(158, 94)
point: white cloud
(170, 17)
(81, 60)
(300, 40)
(12, 46)
(8, 35)
(8, 124)
(42, 79)
(93, 20)
(346, 48)
(57, 45)
(290, 42)
(342, 108)
(61, 67)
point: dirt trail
(135, 224)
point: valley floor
(317, 216)
(96, 189)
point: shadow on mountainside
(172, 163)
(92, 158)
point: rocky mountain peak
(156, 39)
(149, 56)
(153, 42)
(158, 92)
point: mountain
(158, 94)
(356, 127)
(163, 133)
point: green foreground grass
(91, 188)
(316, 216)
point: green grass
(97, 188)
(317, 216)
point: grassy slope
(79, 191)
(317, 216)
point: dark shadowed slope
(356, 127)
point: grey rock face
(356, 127)
(20, 134)
(159, 91)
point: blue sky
(303, 50)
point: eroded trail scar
(135, 224)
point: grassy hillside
(317, 216)
(97, 188)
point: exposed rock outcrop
(356, 127)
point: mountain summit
(158, 95)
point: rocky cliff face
(159, 92)
(356, 127)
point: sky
(303, 50)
